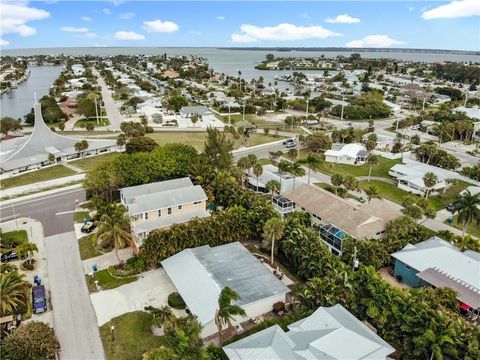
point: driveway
(73, 314)
(152, 289)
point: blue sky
(452, 24)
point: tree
(81, 147)
(194, 118)
(312, 162)
(51, 158)
(257, 171)
(430, 180)
(350, 183)
(274, 155)
(61, 126)
(34, 340)
(176, 102)
(114, 229)
(417, 208)
(372, 161)
(296, 169)
(140, 144)
(273, 187)
(226, 310)
(89, 126)
(86, 107)
(337, 181)
(318, 141)
(273, 230)
(8, 124)
(372, 193)
(468, 209)
(160, 315)
(121, 140)
(218, 149)
(13, 292)
(437, 344)
(28, 249)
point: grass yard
(53, 172)
(103, 121)
(381, 169)
(330, 188)
(197, 139)
(15, 237)
(132, 337)
(90, 163)
(87, 133)
(386, 191)
(78, 216)
(472, 228)
(107, 281)
(441, 200)
(87, 251)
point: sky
(449, 24)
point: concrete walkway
(39, 186)
(106, 260)
(72, 167)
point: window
(197, 202)
(407, 267)
(159, 213)
(145, 216)
(180, 207)
(169, 211)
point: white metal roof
(159, 186)
(350, 150)
(168, 220)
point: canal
(18, 102)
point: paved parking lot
(152, 289)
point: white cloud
(280, 32)
(343, 19)
(91, 35)
(128, 35)
(74, 29)
(86, 18)
(160, 26)
(14, 17)
(4, 42)
(305, 16)
(221, 18)
(107, 11)
(455, 9)
(374, 41)
(126, 16)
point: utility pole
(343, 104)
(15, 216)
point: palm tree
(430, 180)
(81, 147)
(438, 345)
(114, 228)
(274, 155)
(350, 183)
(13, 292)
(273, 230)
(312, 162)
(257, 171)
(160, 316)
(226, 310)
(27, 249)
(273, 186)
(468, 209)
(372, 161)
(252, 160)
(244, 164)
(372, 193)
(296, 169)
(337, 181)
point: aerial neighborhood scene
(233, 180)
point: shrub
(26, 266)
(278, 307)
(175, 301)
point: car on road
(9, 256)
(88, 227)
(39, 299)
(289, 143)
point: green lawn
(106, 281)
(386, 191)
(94, 161)
(87, 133)
(131, 338)
(330, 188)
(384, 165)
(103, 121)
(472, 228)
(197, 139)
(17, 236)
(79, 216)
(441, 200)
(87, 251)
(53, 172)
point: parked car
(416, 127)
(289, 143)
(39, 299)
(9, 256)
(452, 207)
(88, 227)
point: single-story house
(201, 111)
(162, 204)
(473, 112)
(329, 333)
(200, 274)
(340, 218)
(32, 152)
(270, 172)
(353, 154)
(438, 263)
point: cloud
(107, 11)
(411, 8)
(4, 42)
(305, 16)
(221, 18)
(15, 16)
(160, 26)
(455, 9)
(91, 35)
(74, 29)
(128, 35)
(280, 32)
(343, 19)
(86, 18)
(374, 41)
(126, 16)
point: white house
(352, 154)
(270, 172)
(329, 333)
(200, 274)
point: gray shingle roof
(200, 274)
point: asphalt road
(53, 211)
(113, 114)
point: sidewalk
(25, 189)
